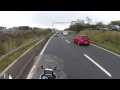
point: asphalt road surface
(84, 62)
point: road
(84, 62)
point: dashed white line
(67, 41)
(106, 50)
(102, 48)
(98, 66)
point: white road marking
(41, 53)
(98, 66)
(31, 73)
(62, 37)
(45, 46)
(105, 50)
(67, 41)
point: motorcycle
(47, 67)
(56, 34)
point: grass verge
(7, 61)
(106, 39)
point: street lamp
(52, 26)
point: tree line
(113, 25)
(25, 28)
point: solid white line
(105, 50)
(67, 41)
(31, 73)
(98, 66)
(45, 46)
(41, 53)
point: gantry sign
(62, 23)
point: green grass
(7, 61)
(9, 42)
(73, 34)
(107, 39)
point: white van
(65, 32)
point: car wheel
(88, 44)
(78, 43)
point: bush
(107, 39)
(10, 42)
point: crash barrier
(21, 66)
(15, 50)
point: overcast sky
(44, 19)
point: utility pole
(52, 26)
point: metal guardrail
(15, 50)
(19, 67)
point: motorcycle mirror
(7, 76)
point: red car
(82, 39)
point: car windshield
(84, 37)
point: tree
(24, 27)
(76, 27)
(1, 27)
(35, 28)
(115, 25)
(71, 27)
(93, 27)
(100, 25)
(66, 29)
(89, 20)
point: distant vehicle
(65, 32)
(56, 34)
(82, 39)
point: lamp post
(52, 26)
